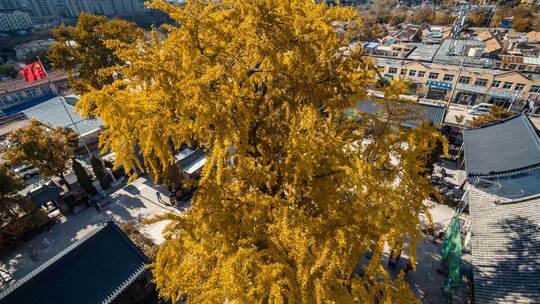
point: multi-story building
(465, 85)
(464, 76)
(14, 92)
(43, 10)
(127, 7)
(105, 7)
(8, 4)
(14, 20)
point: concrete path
(134, 202)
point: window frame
(462, 79)
(483, 80)
(510, 85)
(519, 87)
(433, 75)
(448, 77)
(534, 89)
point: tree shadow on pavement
(513, 267)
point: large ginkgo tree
(299, 185)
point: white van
(26, 171)
(480, 109)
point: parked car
(26, 171)
(480, 109)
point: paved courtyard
(134, 202)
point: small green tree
(102, 175)
(83, 178)
(9, 181)
(17, 213)
(8, 70)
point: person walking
(159, 199)
(97, 206)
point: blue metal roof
(95, 269)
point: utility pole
(455, 82)
(62, 101)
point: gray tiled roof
(425, 113)
(95, 269)
(505, 248)
(508, 145)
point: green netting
(451, 252)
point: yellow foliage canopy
(294, 190)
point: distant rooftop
(461, 47)
(424, 52)
(36, 43)
(11, 123)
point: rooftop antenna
(457, 27)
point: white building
(14, 20)
(8, 4)
(43, 10)
(105, 7)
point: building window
(448, 77)
(512, 67)
(421, 73)
(535, 89)
(508, 85)
(403, 72)
(4, 101)
(480, 82)
(433, 75)
(392, 70)
(464, 80)
(33, 92)
(521, 68)
(496, 83)
(519, 87)
(45, 90)
(412, 73)
(20, 96)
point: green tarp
(451, 252)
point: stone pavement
(134, 202)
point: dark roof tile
(508, 145)
(95, 269)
